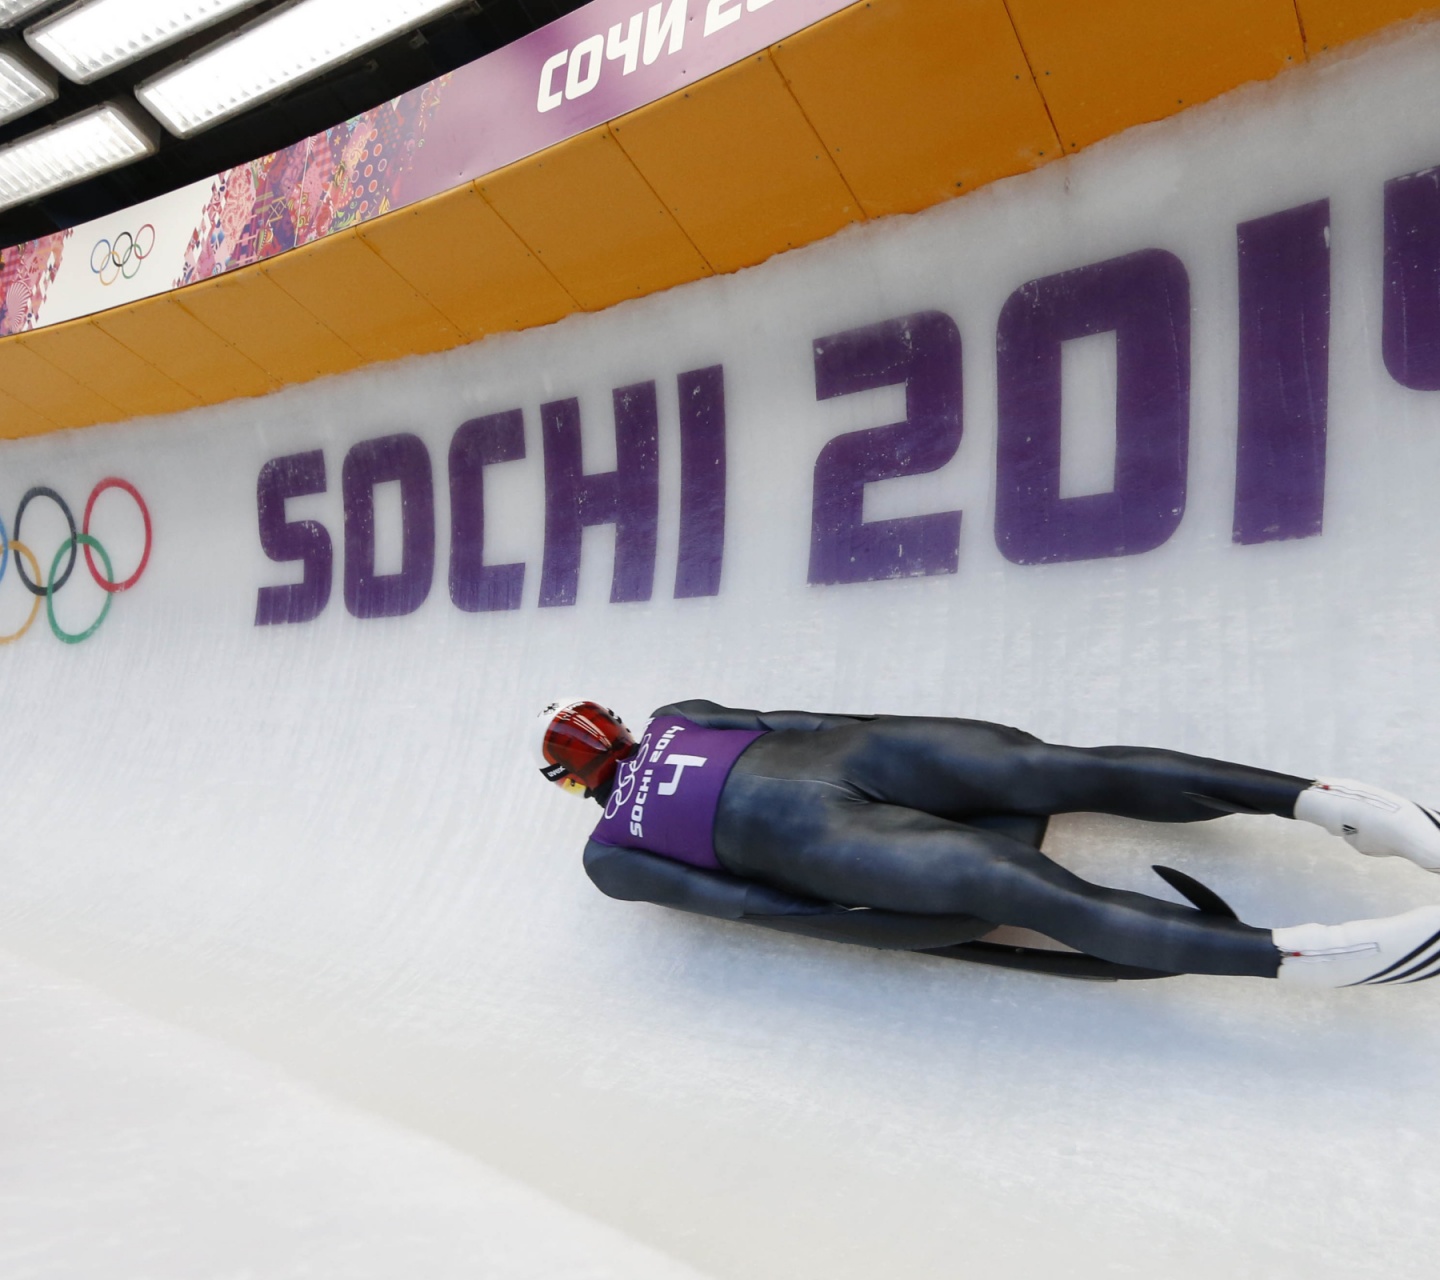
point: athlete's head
(580, 744)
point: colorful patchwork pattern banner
(592, 65)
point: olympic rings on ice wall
(68, 551)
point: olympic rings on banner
(111, 260)
(20, 549)
(76, 539)
(88, 542)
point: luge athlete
(923, 833)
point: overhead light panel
(12, 11)
(24, 83)
(90, 39)
(274, 53)
(94, 142)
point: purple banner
(589, 67)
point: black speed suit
(927, 820)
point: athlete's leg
(951, 767)
(955, 767)
(1151, 783)
(862, 854)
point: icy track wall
(1142, 447)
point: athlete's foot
(1378, 823)
(1392, 951)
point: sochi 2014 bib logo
(626, 776)
(635, 776)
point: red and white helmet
(580, 743)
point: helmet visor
(585, 739)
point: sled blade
(1058, 964)
(1201, 896)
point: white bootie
(1375, 822)
(1395, 950)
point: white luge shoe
(1378, 823)
(1390, 952)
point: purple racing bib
(666, 792)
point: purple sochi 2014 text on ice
(1410, 326)
(402, 458)
(628, 497)
(307, 541)
(475, 586)
(702, 482)
(1145, 299)
(923, 352)
(1282, 424)
(1284, 374)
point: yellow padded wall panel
(109, 369)
(257, 317)
(162, 332)
(18, 419)
(456, 252)
(918, 100)
(739, 166)
(1104, 65)
(587, 214)
(49, 390)
(345, 285)
(1332, 22)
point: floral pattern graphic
(331, 181)
(354, 171)
(26, 273)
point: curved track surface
(302, 973)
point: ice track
(301, 975)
